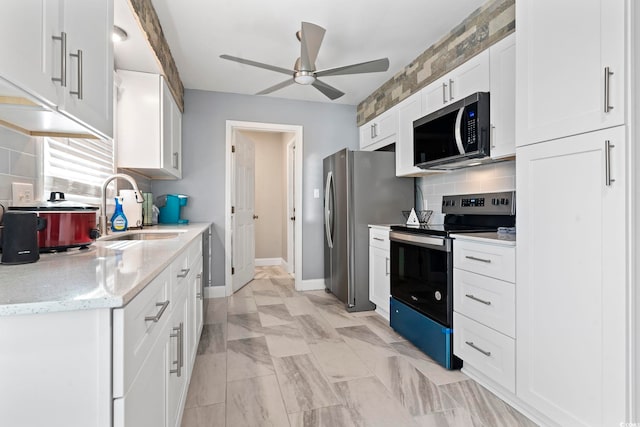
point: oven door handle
(430, 242)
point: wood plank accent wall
(150, 24)
(484, 27)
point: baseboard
(285, 265)
(311, 285)
(265, 262)
(215, 292)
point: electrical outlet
(424, 205)
(22, 193)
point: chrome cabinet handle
(378, 239)
(475, 347)
(473, 297)
(477, 259)
(179, 362)
(607, 163)
(63, 59)
(184, 272)
(492, 136)
(444, 93)
(386, 265)
(607, 77)
(176, 157)
(450, 89)
(199, 294)
(78, 92)
(157, 317)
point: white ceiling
(199, 31)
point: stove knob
(438, 295)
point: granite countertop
(490, 237)
(106, 275)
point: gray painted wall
(326, 129)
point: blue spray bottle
(119, 220)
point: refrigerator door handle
(328, 193)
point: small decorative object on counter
(412, 219)
(423, 216)
(171, 207)
(119, 220)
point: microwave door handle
(458, 130)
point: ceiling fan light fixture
(304, 77)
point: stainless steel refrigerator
(360, 188)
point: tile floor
(271, 356)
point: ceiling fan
(304, 71)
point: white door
(243, 199)
(291, 205)
(571, 289)
(564, 50)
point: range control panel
(502, 203)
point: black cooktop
(443, 229)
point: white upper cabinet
(380, 131)
(570, 67)
(468, 78)
(149, 126)
(27, 46)
(408, 110)
(89, 93)
(60, 53)
(502, 65)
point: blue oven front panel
(431, 337)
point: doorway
(239, 199)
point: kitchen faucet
(102, 222)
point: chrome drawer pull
(473, 346)
(378, 239)
(79, 92)
(157, 317)
(477, 299)
(179, 334)
(477, 259)
(184, 272)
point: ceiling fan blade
(329, 91)
(257, 64)
(311, 36)
(363, 67)
(276, 87)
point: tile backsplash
(478, 179)
(18, 162)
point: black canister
(20, 237)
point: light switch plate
(316, 193)
(22, 193)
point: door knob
(293, 218)
(255, 217)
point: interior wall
(327, 128)
(478, 179)
(269, 170)
(18, 162)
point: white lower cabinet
(484, 309)
(155, 338)
(379, 270)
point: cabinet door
(27, 48)
(502, 66)
(177, 367)
(171, 137)
(409, 110)
(379, 280)
(89, 93)
(469, 78)
(435, 95)
(560, 67)
(196, 308)
(176, 140)
(571, 286)
(365, 135)
(144, 404)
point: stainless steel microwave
(455, 136)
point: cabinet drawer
(379, 238)
(179, 272)
(133, 335)
(486, 300)
(488, 351)
(486, 259)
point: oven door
(421, 274)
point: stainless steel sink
(143, 236)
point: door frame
(233, 126)
(291, 206)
